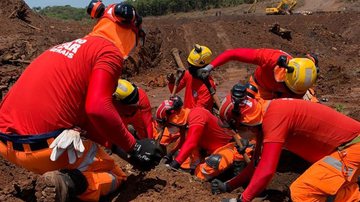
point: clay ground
(332, 32)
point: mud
(334, 36)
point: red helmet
(171, 111)
(247, 112)
(164, 110)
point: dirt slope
(334, 36)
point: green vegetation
(144, 7)
(162, 7)
(339, 108)
(63, 12)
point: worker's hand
(69, 140)
(204, 72)
(174, 165)
(218, 187)
(179, 75)
(166, 159)
(245, 144)
(171, 78)
(146, 151)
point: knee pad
(213, 161)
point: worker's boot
(60, 186)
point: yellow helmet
(126, 92)
(301, 75)
(199, 56)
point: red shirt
(52, 93)
(307, 129)
(138, 115)
(196, 92)
(266, 59)
(310, 130)
(204, 132)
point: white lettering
(68, 49)
(73, 48)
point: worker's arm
(102, 113)
(264, 171)
(246, 55)
(146, 115)
(191, 142)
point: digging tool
(179, 71)
(238, 142)
(212, 93)
(176, 53)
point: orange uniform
(314, 132)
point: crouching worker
(317, 133)
(134, 108)
(64, 92)
(203, 133)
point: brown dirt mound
(331, 35)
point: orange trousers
(100, 170)
(167, 137)
(228, 155)
(335, 176)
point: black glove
(203, 73)
(146, 151)
(245, 144)
(171, 78)
(167, 159)
(218, 187)
(174, 164)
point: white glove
(69, 140)
(204, 72)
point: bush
(162, 7)
(63, 12)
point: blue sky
(73, 3)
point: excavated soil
(331, 31)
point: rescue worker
(134, 108)
(197, 92)
(278, 75)
(317, 133)
(64, 92)
(203, 134)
